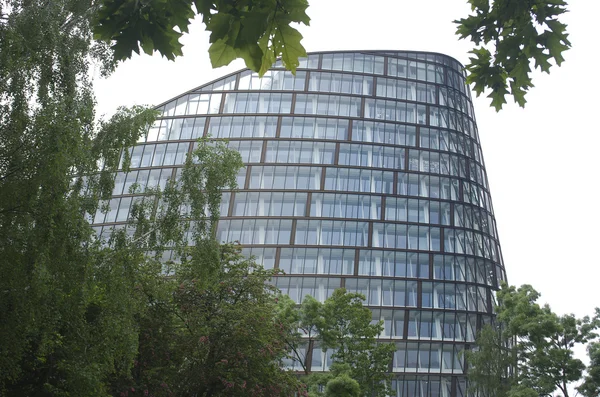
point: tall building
(363, 171)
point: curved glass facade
(363, 171)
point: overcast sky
(542, 161)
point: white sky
(541, 162)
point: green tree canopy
(341, 324)
(66, 315)
(212, 326)
(69, 302)
(219, 338)
(531, 349)
(591, 382)
(342, 386)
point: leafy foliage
(591, 382)
(212, 327)
(71, 305)
(234, 343)
(88, 317)
(66, 312)
(531, 351)
(342, 386)
(220, 338)
(343, 324)
(259, 31)
(336, 382)
(508, 36)
(490, 363)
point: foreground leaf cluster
(259, 31)
(509, 36)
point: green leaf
(166, 42)
(520, 72)
(180, 12)
(219, 25)
(557, 27)
(126, 44)
(556, 46)
(147, 45)
(296, 10)
(103, 31)
(289, 46)
(254, 25)
(469, 27)
(518, 94)
(268, 55)
(233, 38)
(204, 7)
(541, 61)
(252, 55)
(498, 96)
(221, 54)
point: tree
(66, 315)
(591, 382)
(212, 327)
(220, 338)
(336, 382)
(531, 350)
(490, 363)
(68, 301)
(342, 386)
(508, 36)
(234, 342)
(342, 324)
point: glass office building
(363, 171)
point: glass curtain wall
(363, 171)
